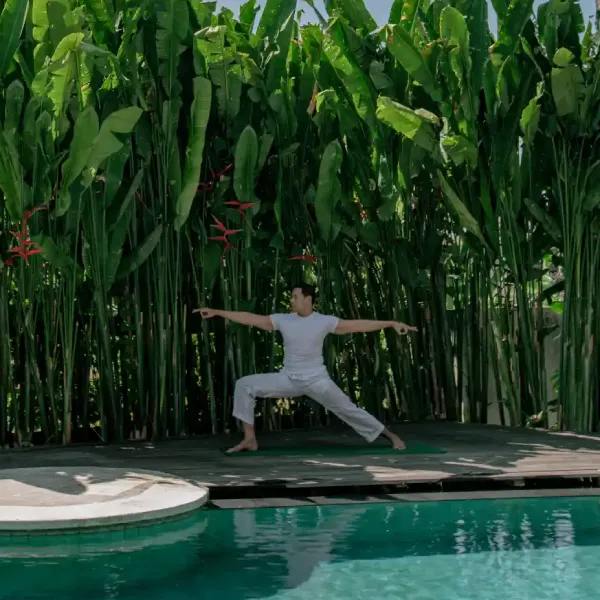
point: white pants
(322, 389)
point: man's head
(303, 298)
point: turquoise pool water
(543, 549)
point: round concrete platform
(48, 499)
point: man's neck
(304, 315)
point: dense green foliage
(157, 155)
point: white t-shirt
(303, 342)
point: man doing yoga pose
(304, 371)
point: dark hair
(306, 289)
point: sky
(380, 9)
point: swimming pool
(544, 549)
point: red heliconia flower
(226, 243)
(223, 238)
(22, 238)
(241, 207)
(306, 257)
(222, 227)
(35, 209)
(24, 253)
(26, 247)
(218, 225)
(313, 99)
(206, 185)
(220, 174)
(209, 185)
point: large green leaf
(378, 76)
(404, 12)
(328, 191)
(248, 12)
(545, 218)
(279, 102)
(52, 20)
(350, 74)
(121, 121)
(140, 254)
(396, 12)
(195, 151)
(14, 97)
(511, 27)
(275, 14)
(563, 57)
(16, 190)
(386, 183)
(266, 142)
(355, 11)
(101, 13)
(567, 89)
(86, 129)
(460, 150)
(227, 77)
(465, 219)
(118, 233)
(415, 125)
(453, 29)
(277, 63)
(203, 11)
(55, 256)
(400, 44)
(455, 32)
(210, 258)
(477, 15)
(172, 18)
(246, 158)
(63, 73)
(42, 160)
(12, 21)
(117, 214)
(222, 64)
(530, 118)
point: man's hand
(401, 328)
(207, 313)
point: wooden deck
(477, 456)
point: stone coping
(55, 499)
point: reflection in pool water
(485, 550)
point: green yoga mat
(411, 448)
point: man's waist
(305, 372)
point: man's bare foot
(246, 445)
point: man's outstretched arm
(243, 318)
(366, 326)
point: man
(304, 371)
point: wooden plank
(472, 451)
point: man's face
(299, 302)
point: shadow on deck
(477, 457)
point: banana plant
(423, 170)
